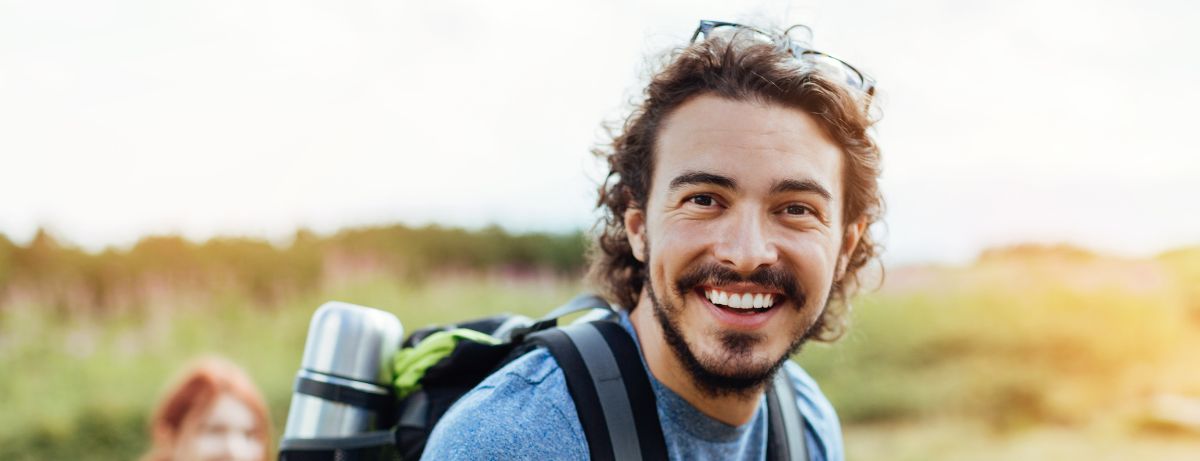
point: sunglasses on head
(824, 63)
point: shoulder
(522, 411)
(817, 411)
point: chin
(724, 360)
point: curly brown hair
(740, 69)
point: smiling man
(741, 238)
(737, 213)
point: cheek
(675, 246)
(815, 261)
(252, 448)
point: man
(737, 214)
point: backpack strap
(582, 302)
(579, 303)
(785, 424)
(611, 390)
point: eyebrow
(804, 185)
(781, 186)
(699, 177)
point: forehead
(747, 140)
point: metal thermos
(345, 373)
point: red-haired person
(213, 412)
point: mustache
(715, 274)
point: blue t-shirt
(524, 412)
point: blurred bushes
(1185, 266)
(1024, 337)
(96, 433)
(160, 270)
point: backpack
(613, 398)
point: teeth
(740, 300)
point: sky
(1002, 121)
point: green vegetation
(1031, 352)
(163, 269)
(84, 389)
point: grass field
(1014, 357)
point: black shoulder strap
(612, 393)
(785, 424)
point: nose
(746, 243)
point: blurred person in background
(213, 412)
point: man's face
(742, 235)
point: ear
(853, 234)
(635, 231)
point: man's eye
(798, 210)
(702, 200)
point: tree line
(48, 273)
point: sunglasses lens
(729, 30)
(835, 69)
(799, 34)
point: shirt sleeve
(522, 412)
(824, 434)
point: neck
(734, 409)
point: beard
(734, 371)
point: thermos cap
(351, 341)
